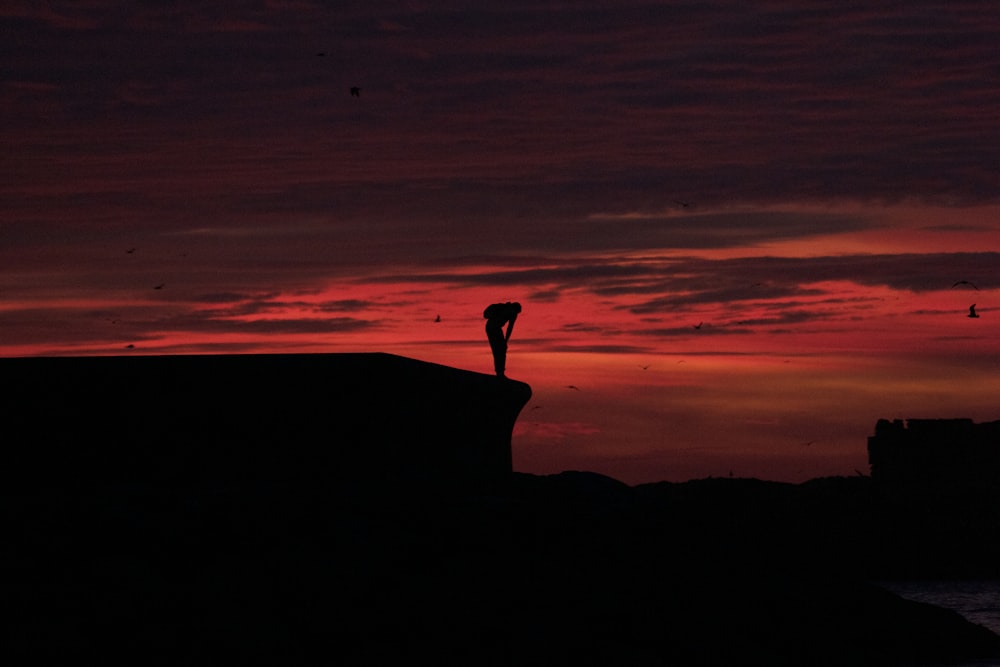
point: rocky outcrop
(363, 421)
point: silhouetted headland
(362, 509)
(361, 420)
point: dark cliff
(330, 420)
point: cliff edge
(364, 420)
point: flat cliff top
(363, 367)
(223, 419)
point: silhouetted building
(937, 452)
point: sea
(977, 600)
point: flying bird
(972, 311)
(572, 386)
(130, 251)
(355, 91)
(965, 282)
(437, 319)
(160, 286)
(698, 326)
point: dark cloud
(744, 101)
(906, 271)
(686, 280)
(705, 330)
(718, 230)
(288, 326)
(598, 348)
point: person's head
(515, 306)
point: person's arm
(510, 327)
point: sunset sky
(807, 181)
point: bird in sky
(972, 311)
(160, 286)
(130, 251)
(437, 319)
(572, 386)
(355, 91)
(965, 282)
(698, 326)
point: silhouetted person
(497, 316)
(972, 311)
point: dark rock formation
(367, 421)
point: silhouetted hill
(450, 565)
(844, 524)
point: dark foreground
(572, 569)
(361, 509)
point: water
(977, 601)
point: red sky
(807, 181)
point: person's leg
(500, 357)
(499, 347)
